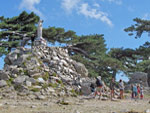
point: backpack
(99, 82)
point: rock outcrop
(43, 70)
(139, 78)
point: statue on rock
(40, 40)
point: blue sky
(108, 17)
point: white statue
(40, 40)
(39, 32)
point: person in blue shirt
(135, 91)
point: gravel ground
(75, 105)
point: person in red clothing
(138, 91)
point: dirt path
(76, 105)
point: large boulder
(4, 75)
(85, 90)
(139, 78)
(148, 79)
(3, 83)
(20, 80)
(80, 68)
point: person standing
(132, 94)
(112, 88)
(138, 91)
(141, 92)
(135, 91)
(99, 87)
(121, 87)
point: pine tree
(14, 30)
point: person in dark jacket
(99, 87)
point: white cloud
(83, 8)
(94, 13)
(30, 5)
(69, 5)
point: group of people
(136, 89)
(112, 88)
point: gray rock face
(148, 79)
(3, 83)
(85, 90)
(139, 78)
(28, 83)
(41, 97)
(80, 68)
(42, 69)
(20, 80)
(32, 80)
(4, 75)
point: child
(138, 90)
(141, 92)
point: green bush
(46, 76)
(20, 71)
(59, 82)
(37, 84)
(39, 68)
(25, 72)
(54, 85)
(24, 63)
(9, 82)
(35, 89)
(45, 86)
(29, 58)
(74, 93)
(36, 77)
(54, 74)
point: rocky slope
(40, 72)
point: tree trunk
(148, 78)
(114, 74)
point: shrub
(35, 89)
(29, 58)
(74, 93)
(46, 76)
(9, 82)
(45, 86)
(54, 74)
(54, 85)
(59, 81)
(25, 72)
